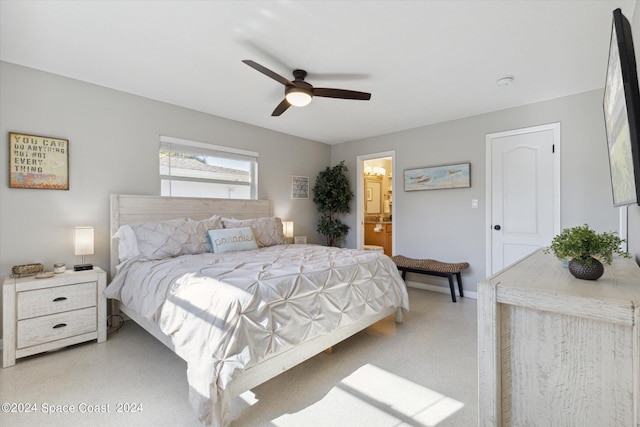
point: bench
(433, 268)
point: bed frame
(127, 209)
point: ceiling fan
(299, 93)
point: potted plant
(586, 250)
(332, 195)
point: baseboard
(441, 289)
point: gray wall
(442, 225)
(113, 148)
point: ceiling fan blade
(267, 72)
(281, 108)
(341, 93)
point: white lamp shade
(288, 228)
(83, 240)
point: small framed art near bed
(243, 314)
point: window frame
(168, 143)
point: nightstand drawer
(43, 329)
(42, 302)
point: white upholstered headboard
(129, 209)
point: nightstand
(45, 314)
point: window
(195, 169)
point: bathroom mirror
(373, 195)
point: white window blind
(196, 169)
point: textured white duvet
(228, 311)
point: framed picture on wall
(299, 187)
(39, 162)
(437, 177)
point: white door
(523, 193)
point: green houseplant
(332, 195)
(586, 249)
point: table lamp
(83, 245)
(288, 230)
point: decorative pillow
(267, 231)
(232, 239)
(200, 240)
(163, 239)
(127, 244)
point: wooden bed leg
(399, 315)
(329, 350)
(224, 406)
(114, 307)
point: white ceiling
(423, 61)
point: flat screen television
(621, 114)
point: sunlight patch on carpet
(375, 397)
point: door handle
(496, 227)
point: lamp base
(82, 267)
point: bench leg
(459, 284)
(447, 275)
(453, 289)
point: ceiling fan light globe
(298, 98)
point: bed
(239, 317)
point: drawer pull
(60, 299)
(60, 325)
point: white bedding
(228, 311)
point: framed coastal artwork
(438, 177)
(39, 162)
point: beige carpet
(419, 373)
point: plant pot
(582, 270)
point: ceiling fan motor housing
(299, 74)
(301, 86)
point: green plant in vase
(586, 250)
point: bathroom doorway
(374, 197)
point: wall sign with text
(38, 162)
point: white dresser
(558, 351)
(45, 314)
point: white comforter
(226, 312)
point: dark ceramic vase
(582, 270)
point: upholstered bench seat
(434, 268)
